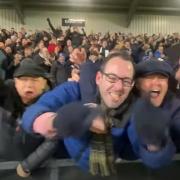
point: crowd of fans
(56, 49)
(44, 60)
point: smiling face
(112, 89)
(155, 85)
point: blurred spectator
(78, 56)
(60, 69)
(68, 47)
(75, 36)
(28, 52)
(56, 32)
(159, 53)
(13, 64)
(144, 52)
(104, 51)
(43, 59)
(75, 73)
(2, 59)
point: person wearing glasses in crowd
(96, 134)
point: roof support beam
(72, 4)
(132, 10)
(19, 11)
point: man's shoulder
(89, 66)
(69, 86)
(172, 103)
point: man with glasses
(94, 134)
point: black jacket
(12, 135)
(60, 72)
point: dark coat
(60, 72)
(41, 62)
(87, 83)
(13, 137)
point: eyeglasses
(112, 78)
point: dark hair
(123, 54)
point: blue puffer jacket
(126, 142)
(79, 148)
(126, 146)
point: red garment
(51, 48)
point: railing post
(54, 174)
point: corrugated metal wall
(155, 24)
(8, 19)
(96, 21)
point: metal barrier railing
(56, 164)
(52, 164)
